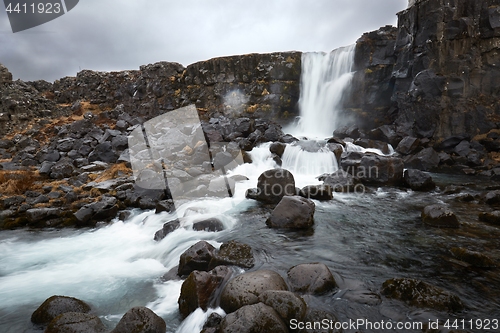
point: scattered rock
(439, 216)
(317, 192)
(165, 206)
(253, 318)
(76, 322)
(292, 212)
(212, 225)
(473, 258)
(340, 181)
(418, 180)
(493, 217)
(197, 257)
(234, 253)
(420, 294)
(140, 320)
(55, 306)
(245, 289)
(200, 288)
(492, 197)
(288, 305)
(167, 228)
(314, 278)
(273, 185)
(380, 170)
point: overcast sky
(124, 34)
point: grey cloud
(116, 34)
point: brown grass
(17, 182)
(114, 172)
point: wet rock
(165, 206)
(492, 198)
(140, 320)
(103, 210)
(288, 305)
(62, 169)
(234, 253)
(37, 215)
(75, 322)
(314, 278)
(167, 228)
(273, 185)
(373, 144)
(212, 225)
(420, 294)
(341, 181)
(317, 316)
(380, 170)
(418, 180)
(292, 212)
(245, 289)
(212, 324)
(277, 148)
(408, 145)
(55, 306)
(103, 152)
(473, 258)
(200, 288)
(439, 216)
(197, 257)
(493, 217)
(253, 318)
(427, 160)
(317, 192)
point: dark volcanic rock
(140, 320)
(55, 306)
(288, 305)
(418, 180)
(493, 217)
(253, 318)
(75, 322)
(234, 253)
(167, 228)
(380, 170)
(439, 216)
(245, 289)
(197, 257)
(212, 224)
(292, 212)
(314, 278)
(199, 289)
(273, 185)
(473, 258)
(420, 294)
(317, 192)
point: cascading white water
(324, 80)
(307, 163)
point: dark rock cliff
(436, 75)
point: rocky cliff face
(437, 74)
(254, 86)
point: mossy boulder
(421, 294)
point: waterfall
(324, 79)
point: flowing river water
(364, 238)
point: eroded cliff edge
(434, 76)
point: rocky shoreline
(65, 159)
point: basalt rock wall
(434, 76)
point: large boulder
(167, 228)
(313, 278)
(292, 213)
(380, 170)
(76, 322)
(418, 180)
(234, 253)
(288, 305)
(317, 192)
(199, 289)
(427, 159)
(140, 320)
(197, 257)
(245, 289)
(253, 318)
(341, 181)
(420, 294)
(439, 216)
(37, 215)
(55, 306)
(273, 185)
